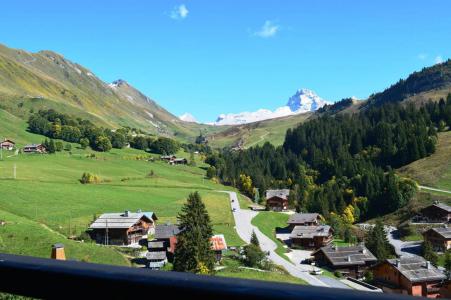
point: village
(311, 251)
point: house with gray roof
(125, 228)
(311, 237)
(277, 200)
(436, 213)
(439, 237)
(408, 275)
(351, 261)
(167, 235)
(303, 219)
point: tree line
(341, 166)
(61, 126)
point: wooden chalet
(7, 145)
(34, 148)
(218, 245)
(351, 261)
(439, 237)
(445, 290)
(156, 256)
(166, 234)
(277, 200)
(179, 161)
(408, 275)
(125, 228)
(168, 157)
(303, 219)
(311, 237)
(436, 213)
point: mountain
(187, 117)
(302, 101)
(305, 101)
(434, 80)
(33, 81)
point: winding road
(434, 189)
(244, 229)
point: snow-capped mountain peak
(304, 100)
(187, 117)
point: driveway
(405, 249)
(244, 229)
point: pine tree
(51, 147)
(377, 242)
(193, 252)
(429, 253)
(254, 239)
(447, 264)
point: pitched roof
(118, 220)
(308, 232)
(444, 232)
(278, 193)
(218, 242)
(165, 231)
(302, 218)
(6, 141)
(440, 206)
(344, 256)
(32, 145)
(160, 255)
(416, 269)
(155, 244)
(150, 214)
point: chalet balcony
(53, 279)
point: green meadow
(48, 197)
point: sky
(210, 57)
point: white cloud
(422, 56)
(438, 59)
(269, 29)
(179, 12)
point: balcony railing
(52, 279)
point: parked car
(306, 261)
(316, 271)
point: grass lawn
(340, 243)
(25, 237)
(412, 238)
(47, 191)
(233, 270)
(267, 221)
(245, 202)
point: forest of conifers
(341, 165)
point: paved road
(244, 229)
(433, 189)
(405, 249)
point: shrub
(88, 178)
(59, 146)
(338, 274)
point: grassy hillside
(47, 197)
(257, 133)
(432, 78)
(48, 80)
(435, 170)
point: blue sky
(210, 57)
